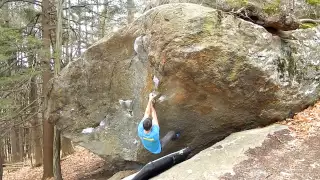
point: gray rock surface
(273, 152)
(221, 158)
(218, 74)
(121, 174)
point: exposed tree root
(314, 21)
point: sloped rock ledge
(268, 153)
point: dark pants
(167, 138)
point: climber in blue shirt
(149, 130)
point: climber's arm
(148, 112)
(154, 116)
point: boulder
(220, 159)
(274, 152)
(276, 14)
(122, 174)
(217, 74)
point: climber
(149, 130)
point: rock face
(220, 159)
(218, 74)
(275, 152)
(277, 14)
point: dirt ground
(81, 165)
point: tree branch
(27, 119)
(12, 64)
(84, 5)
(7, 129)
(18, 113)
(34, 24)
(21, 83)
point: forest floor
(81, 165)
(84, 165)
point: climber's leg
(171, 135)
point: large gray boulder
(218, 74)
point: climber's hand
(152, 96)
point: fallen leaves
(305, 123)
(75, 166)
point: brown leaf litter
(305, 123)
(75, 166)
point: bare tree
(102, 20)
(1, 158)
(15, 144)
(66, 146)
(48, 127)
(58, 55)
(57, 145)
(35, 125)
(131, 11)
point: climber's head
(147, 124)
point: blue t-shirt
(151, 140)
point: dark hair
(147, 124)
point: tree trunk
(58, 47)
(103, 19)
(67, 60)
(8, 148)
(86, 30)
(4, 148)
(1, 159)
(15, 144)
(68, 40)
(57, 133)
(47, 149)
(28, 144)
(57, 166)
(36, 143)
(21, 144)
(35, 149)
(35, 126)
(79, 31)
(48, 128)
(66, 146)
(130, 9)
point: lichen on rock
(273, 7)
(313, 2)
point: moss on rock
(313, 2)
(208, 25)
(237, 2)
(238, 67)
(307, 25)
(272, 8)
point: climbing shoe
(177, 135)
